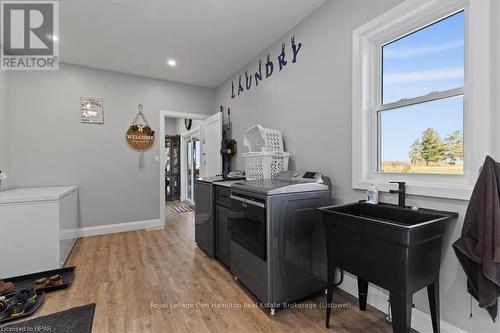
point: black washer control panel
(310, 175)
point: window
(420, 114)
(421, 100)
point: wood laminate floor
(159, 281)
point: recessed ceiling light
(171, 62)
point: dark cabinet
(172, 167)
(222, 196)
(204, 233)
(223, 235)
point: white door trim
(164, 114)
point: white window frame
(367, 40)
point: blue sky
(428, 60)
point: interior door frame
(196, 133)
(164, 114)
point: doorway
(172, 167)
(207, 159)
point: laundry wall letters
(249, 81)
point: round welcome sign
(140, 137)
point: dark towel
(478, 250)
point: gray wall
(495, 60)
(50, 146)
(310, 101)
(4, 127)
(181, 125)
(171, 126)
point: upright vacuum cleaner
(228, 145)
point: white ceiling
(210, 39)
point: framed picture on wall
(91, 110)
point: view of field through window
(425, 137)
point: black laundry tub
(396, 248)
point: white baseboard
(118, 227)
(377, 298)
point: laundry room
(250, 166)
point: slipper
(22, 302)
(20, 308)
(5, 287)
(24, 295)
(41, 283)
(19, 304)
(5, 309)
(55, 280)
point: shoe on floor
(5, 287)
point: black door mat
(183, 209)
(28, 281)
(74, 320)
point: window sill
(436, 190)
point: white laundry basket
(264, 165)
(261, 139)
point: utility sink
(386, 222)
(396, 248)
(385, 213)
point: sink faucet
(401, 191)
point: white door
(211, 137)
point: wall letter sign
(269, 67)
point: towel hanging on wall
(478, 249)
